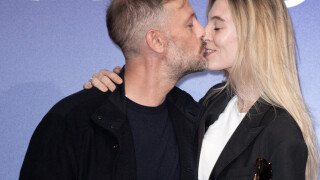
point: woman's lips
(208, 52)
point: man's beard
(181, 62)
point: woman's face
(221, 37)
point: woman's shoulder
(282, 126)
(281, 143)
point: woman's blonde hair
(266, 61)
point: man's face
(185, 46)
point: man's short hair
(128, 21)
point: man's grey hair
(128, 21)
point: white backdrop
(49, 48)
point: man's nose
(201, 32)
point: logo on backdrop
(292, 3)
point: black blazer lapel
(246, 132)
(211, 113)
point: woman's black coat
(265, 132)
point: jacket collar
(112, 117)
(112, 114)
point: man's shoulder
(181, 97)
(72, 111)
(88, 100)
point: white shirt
(217, 136)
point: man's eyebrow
(217, 18)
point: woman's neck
(247, 96)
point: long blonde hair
(267, 61)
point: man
(141, 130)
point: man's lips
(208, 52)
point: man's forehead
(177, 4)
(181, 9)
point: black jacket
(87, 136)
(265, 132)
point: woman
(259, 112)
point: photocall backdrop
(49, 48)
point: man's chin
(200, 66)
(203, 63)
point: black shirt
(156, 149)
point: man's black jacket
(87, 136)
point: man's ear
(156, 41)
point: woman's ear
(156, 41)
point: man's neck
(146, 83)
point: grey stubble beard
(182, 63)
